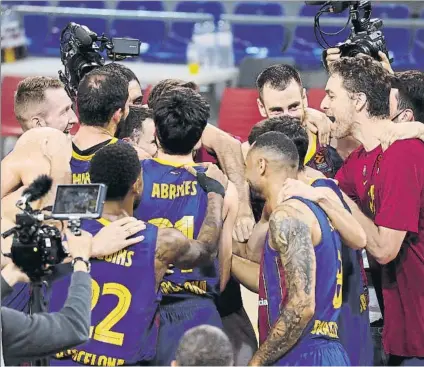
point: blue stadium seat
(398, 39)
(249, 35)
(173, 50)
(36, 27)
(305, 48)
(151, 32)
(96, 24)
(418, 48)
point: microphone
(40, 187)
(82, 34)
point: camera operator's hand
(318, 123)
(115, 236)
(333, 54)
(385, 62)
(79, 246)
(12, 274)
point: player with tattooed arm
(300, 284)
(126, 283)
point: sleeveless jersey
(328, 289)
(354, 322)
(322, 158)
(124, 305)
(80, 163)
(172, 197)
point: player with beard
(387, 186)
(281, 93)
(124, 311)
(171, 198)
(103, 103)
(138, 129)
(297, 325)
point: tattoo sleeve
(292, 239)
(174, 248)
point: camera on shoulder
(37, 246)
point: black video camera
(366, 36)
(37, 247)
(80, 52)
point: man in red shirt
(388, 187)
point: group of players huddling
(177, 238)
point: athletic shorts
(315, 352)
(176, 319)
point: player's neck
(114, 210)
(88, 136)
(181, 159)
(273, 191)
(369, 131)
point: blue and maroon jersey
(322, 158)
(354, 322)
(124, 304)
(172, 198)
(273, 294)
(80, 161)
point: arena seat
(239, 111)
(98, 25)
(398, 39)
(270, 37)
(305, 48)
(418, 47)
(151, 32)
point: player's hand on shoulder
(401, 131)
(116, 236)
(297, 188)
(318, 123)
(79, 246)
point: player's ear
(261, 107)
(262, 166)
(138, 186)
(406, 116)
(37, 121)
(360, 102)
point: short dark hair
(100, 95)
(279, 143)
(289, 126)
(362, 74)
(278, 77)
(180, 116)
(126, 72)
(118, 167)
(411, 91)
(164, 86)
(133, 122)
(205, 345)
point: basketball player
(297, 326)
(42, 101)
(387, 186)
(103, 103)
(171, 198)
(281, 93)
(126, 284)
(227, 151)
(139, 129)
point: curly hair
(365, 75)
(118, 167)
(164, 86)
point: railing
(309, 21)
(111, 13)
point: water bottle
(193, 59)
(225, 45)
(209, 42)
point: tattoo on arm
(292, 239)
(174, 248)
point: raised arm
(292, 239)
(173, 247)
(230, 157)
